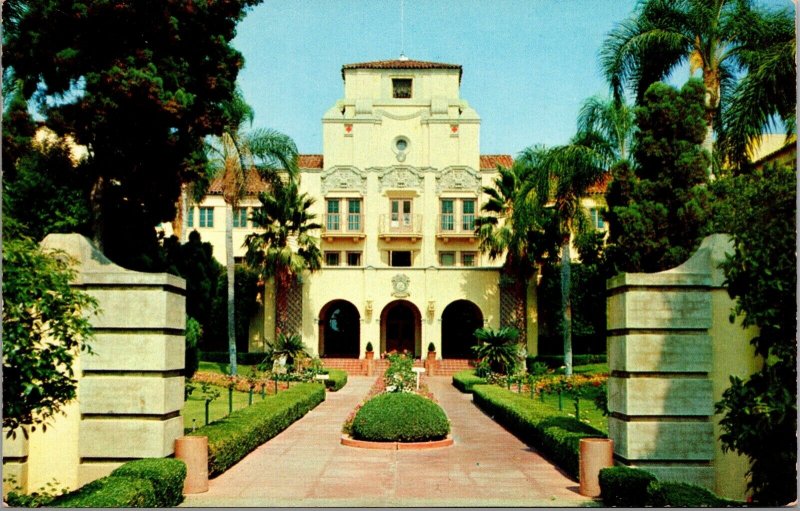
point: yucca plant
(498, 348)
(291, 346)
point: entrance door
(400, 329)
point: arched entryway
(339, 330)
(401, 326)
(460, 319)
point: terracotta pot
(431, 355)
(369, 355)
(595, 454)
(193, 450)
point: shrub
(625, 486)
(336, 379)
(464, 380)
(556, 436)
(400, 417)
(167, 476)
(111, 491)
(498, 348)
(399, 376)
(232, 438)
(194, 332)
(675, 494)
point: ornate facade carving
(344, 178)
(399, 176)
(459, 178)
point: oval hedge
(400, 417)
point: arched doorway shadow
(401, 327)
(460, 319)
(339, 330)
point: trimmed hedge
(634, 487)
(222, 357)
(167, 476)
(556, 361)
(111, 491)
(674, 494)
(336, 379)
(555, 436)
(464, 380)
(625, 486)
(400, 417)
(230, 439)
(150, 482)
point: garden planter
(595, 454)
(369, 355)
(431, 355)
(193, 450)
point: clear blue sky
(527, 64)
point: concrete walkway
(307, 466)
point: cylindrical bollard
(193, 450)
(595, 454)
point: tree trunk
(231, 288)
(566, 307)
(712, 84)
(180, 227)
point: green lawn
(589, 412)
(194, 408)
(220, 368)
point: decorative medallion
(400, 284)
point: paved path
(307, 466)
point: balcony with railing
(343, 226)
(398, 226)
(451, 226)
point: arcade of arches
(400, 327)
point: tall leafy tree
(234, 155)
(661, 207)
(513, 227)
(760, 412)
(140, 84)
(707, 34)
(557, 180)
(284, 248)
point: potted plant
(431, 351)
(369, 353)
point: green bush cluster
(232, 438)
(625, 486)
(464, 380)
(337, 379)
(167, 476)
(554, 435)
(633, 487)
(400, 417)
(399, 376)
(154, 482)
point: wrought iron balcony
(400, 226)
(450, 225)
(343, 225)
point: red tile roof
(491, 161)
(310, 161)
(401, 64)
(255, 184)
(601, 185)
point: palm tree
(557, 179)
(607, 125)
(663, 34)
(513, 227)
(286, 248)
(497, 348)
(233, 156)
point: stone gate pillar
(671, 348)
(130, 391)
